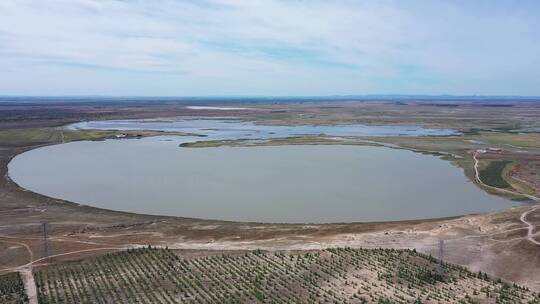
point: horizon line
(473, 96)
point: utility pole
(45, 240)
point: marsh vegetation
(492, 174)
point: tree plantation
(339, 275)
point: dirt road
(523, 217)
(477, 177)
(29, 285)
(530, 227)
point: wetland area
(277, 184)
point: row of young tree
(12, 289)
(337, 275)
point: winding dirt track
(477, 176)
(28, 249)
(530, 227)
(523, 217)
(26, 269)
(30, 264)
(28, 277)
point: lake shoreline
(149, 158)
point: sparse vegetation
(51, 135)
(526, 140)
(296, 140)
(31, 134)
(57, 135)
(340, 275)
(210, 143)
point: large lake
(265, 184)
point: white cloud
(268, 47)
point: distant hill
(265, 99)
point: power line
(45, 240)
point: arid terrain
(499, 150)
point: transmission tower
(45, 240)
(440, 255)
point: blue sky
(233, 47)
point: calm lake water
(235, 129)
(264, 184)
